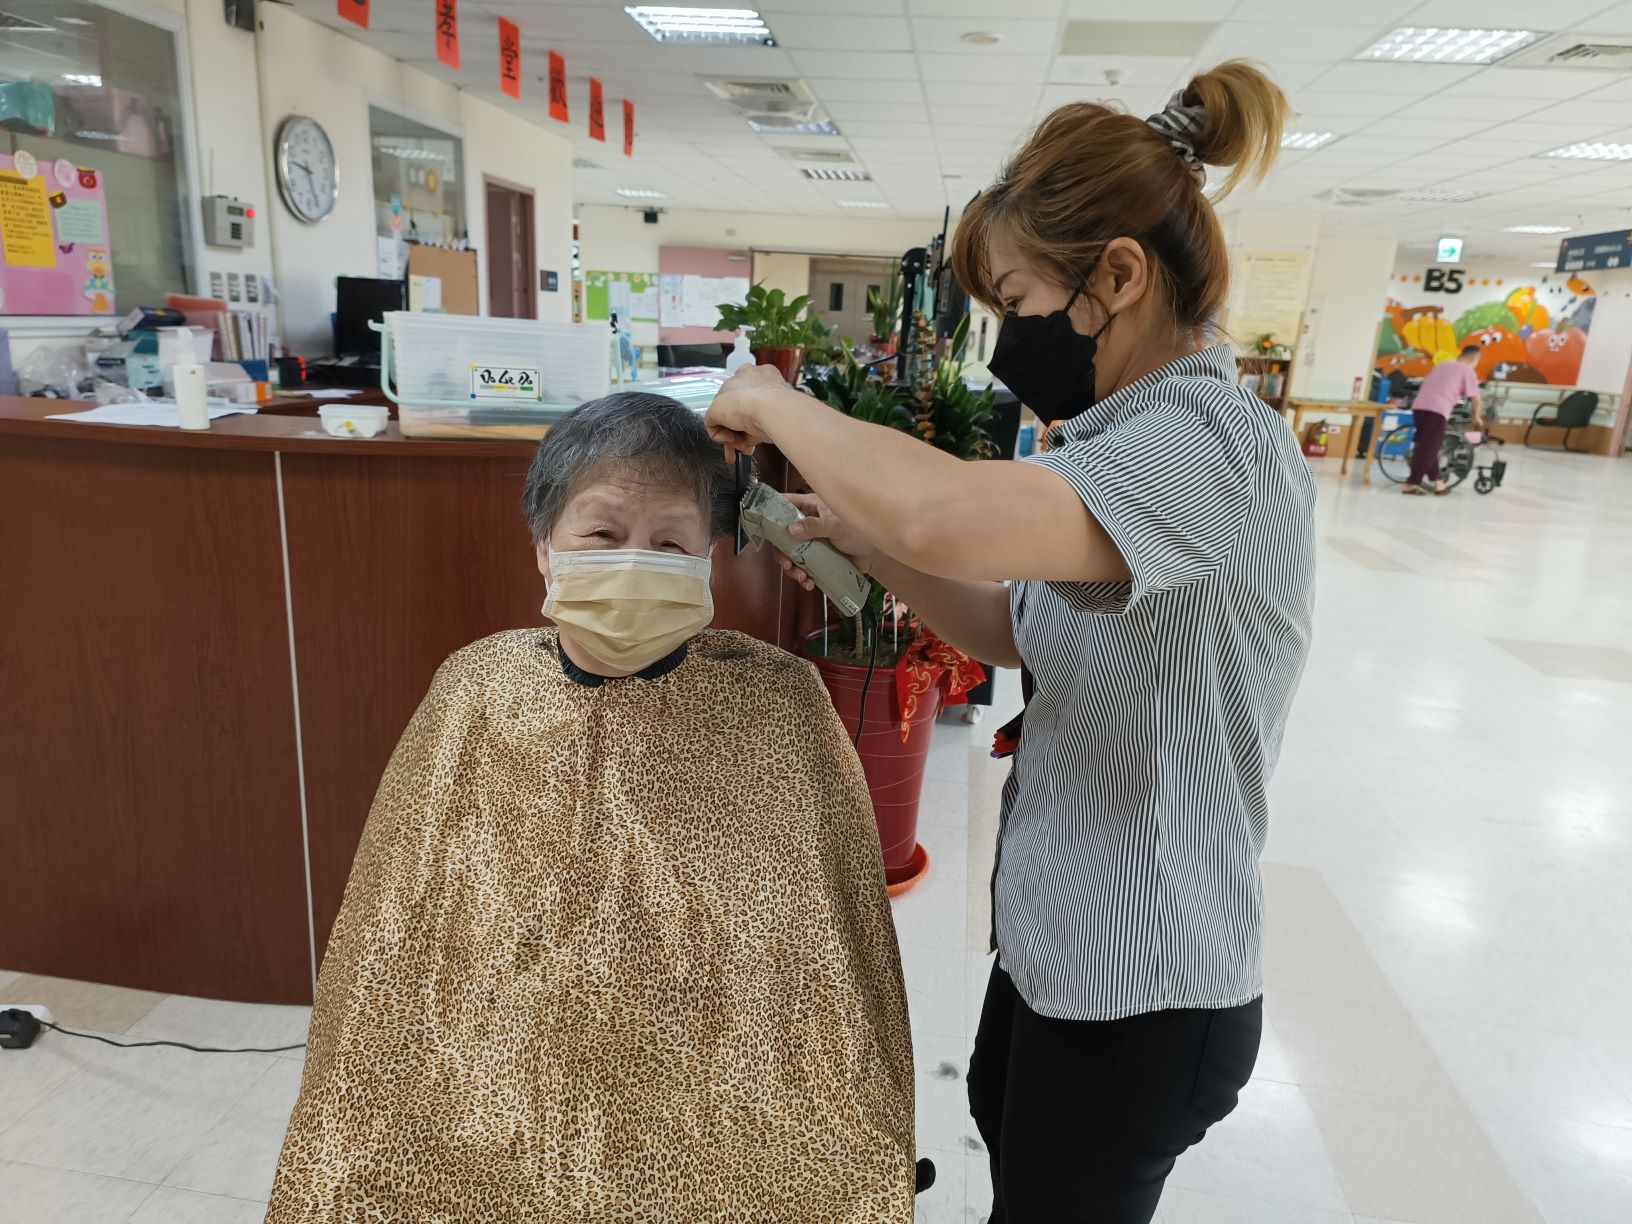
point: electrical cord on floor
(179, 1045)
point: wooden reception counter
(209, 644)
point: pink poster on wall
(54, 256)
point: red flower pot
(894, 767)
(786, 360)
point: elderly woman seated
(616, 944)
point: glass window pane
(99, 92)
(419, 180)
(835, 295)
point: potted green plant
(886, 308)
(885, 671)
(779, 329)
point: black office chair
(1575, 412)
(687, 356)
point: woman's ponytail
(1245, 115)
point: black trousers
(1430, 436)
(1084, 1119)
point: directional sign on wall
(1592, 252)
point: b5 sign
(1442, 280)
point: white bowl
(354, 420)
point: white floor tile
(1270, 1148)
(240, 1154)
(171, 1206)
(1181, 1206)
(30, 1194)
(944, 1202)
(1577, 1174)
(135, 1113)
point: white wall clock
(308, 175)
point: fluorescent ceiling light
(1441, 195)
(831, 175)
(819, 127)
(1594, 151)
(731, 26)
(79, 21)
(640, 193)
(82, 78)
(862, 204)
(1536, 229)
(1305, 140)
(1551, 265)
(1448, 45)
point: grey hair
(652, 437)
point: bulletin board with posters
(54, 255)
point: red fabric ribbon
(929, 662)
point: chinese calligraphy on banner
(447, 32)
(354, 11)
(510, 58)
(628, 128)
(558, 87)
(597, 112)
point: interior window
(90, 101)
(835, 295)
(419, 180)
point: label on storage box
(505, 382)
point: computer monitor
(360, 300)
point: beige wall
(1348, 280)
(308, 69)
(783, 270)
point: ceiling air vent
(583, 163)
(23, 25)
(764, 95)
(1357, 197)
(829, 156)
(1593, 52)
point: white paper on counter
(153, 412)
(328, 393)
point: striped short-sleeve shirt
(1135, 812)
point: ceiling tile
(859, 89)
(989, 69)
(1301, 13)
(800, 32)
(846, 114)
(1256, 39)
(1148, 10)
(832, 8)
(945, 35)
(979, 93)
(1376, 104)
(1142, 71)
(1411, 80)
(1050, 9)
(888, 65)
(1505, 14)
(1558, 83)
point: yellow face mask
(628, 607)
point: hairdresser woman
(1160, 567)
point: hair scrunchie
(1180, 125)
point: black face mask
(1047, 362)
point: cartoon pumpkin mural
(1497, 345)
(1557, 354)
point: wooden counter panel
(394, 564)
(149, 809)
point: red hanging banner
(447, 32)
(597, 111)
(354, 11)
(558, 87)
(510, 58)
(628, 128)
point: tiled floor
(1449, 996)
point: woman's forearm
(936, 513)
(970, 616)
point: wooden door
(511, 256)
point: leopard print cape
(611, 954)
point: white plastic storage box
(459, 376)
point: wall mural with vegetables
(1532, 331)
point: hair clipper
(764, 517)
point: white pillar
(1347, 288)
